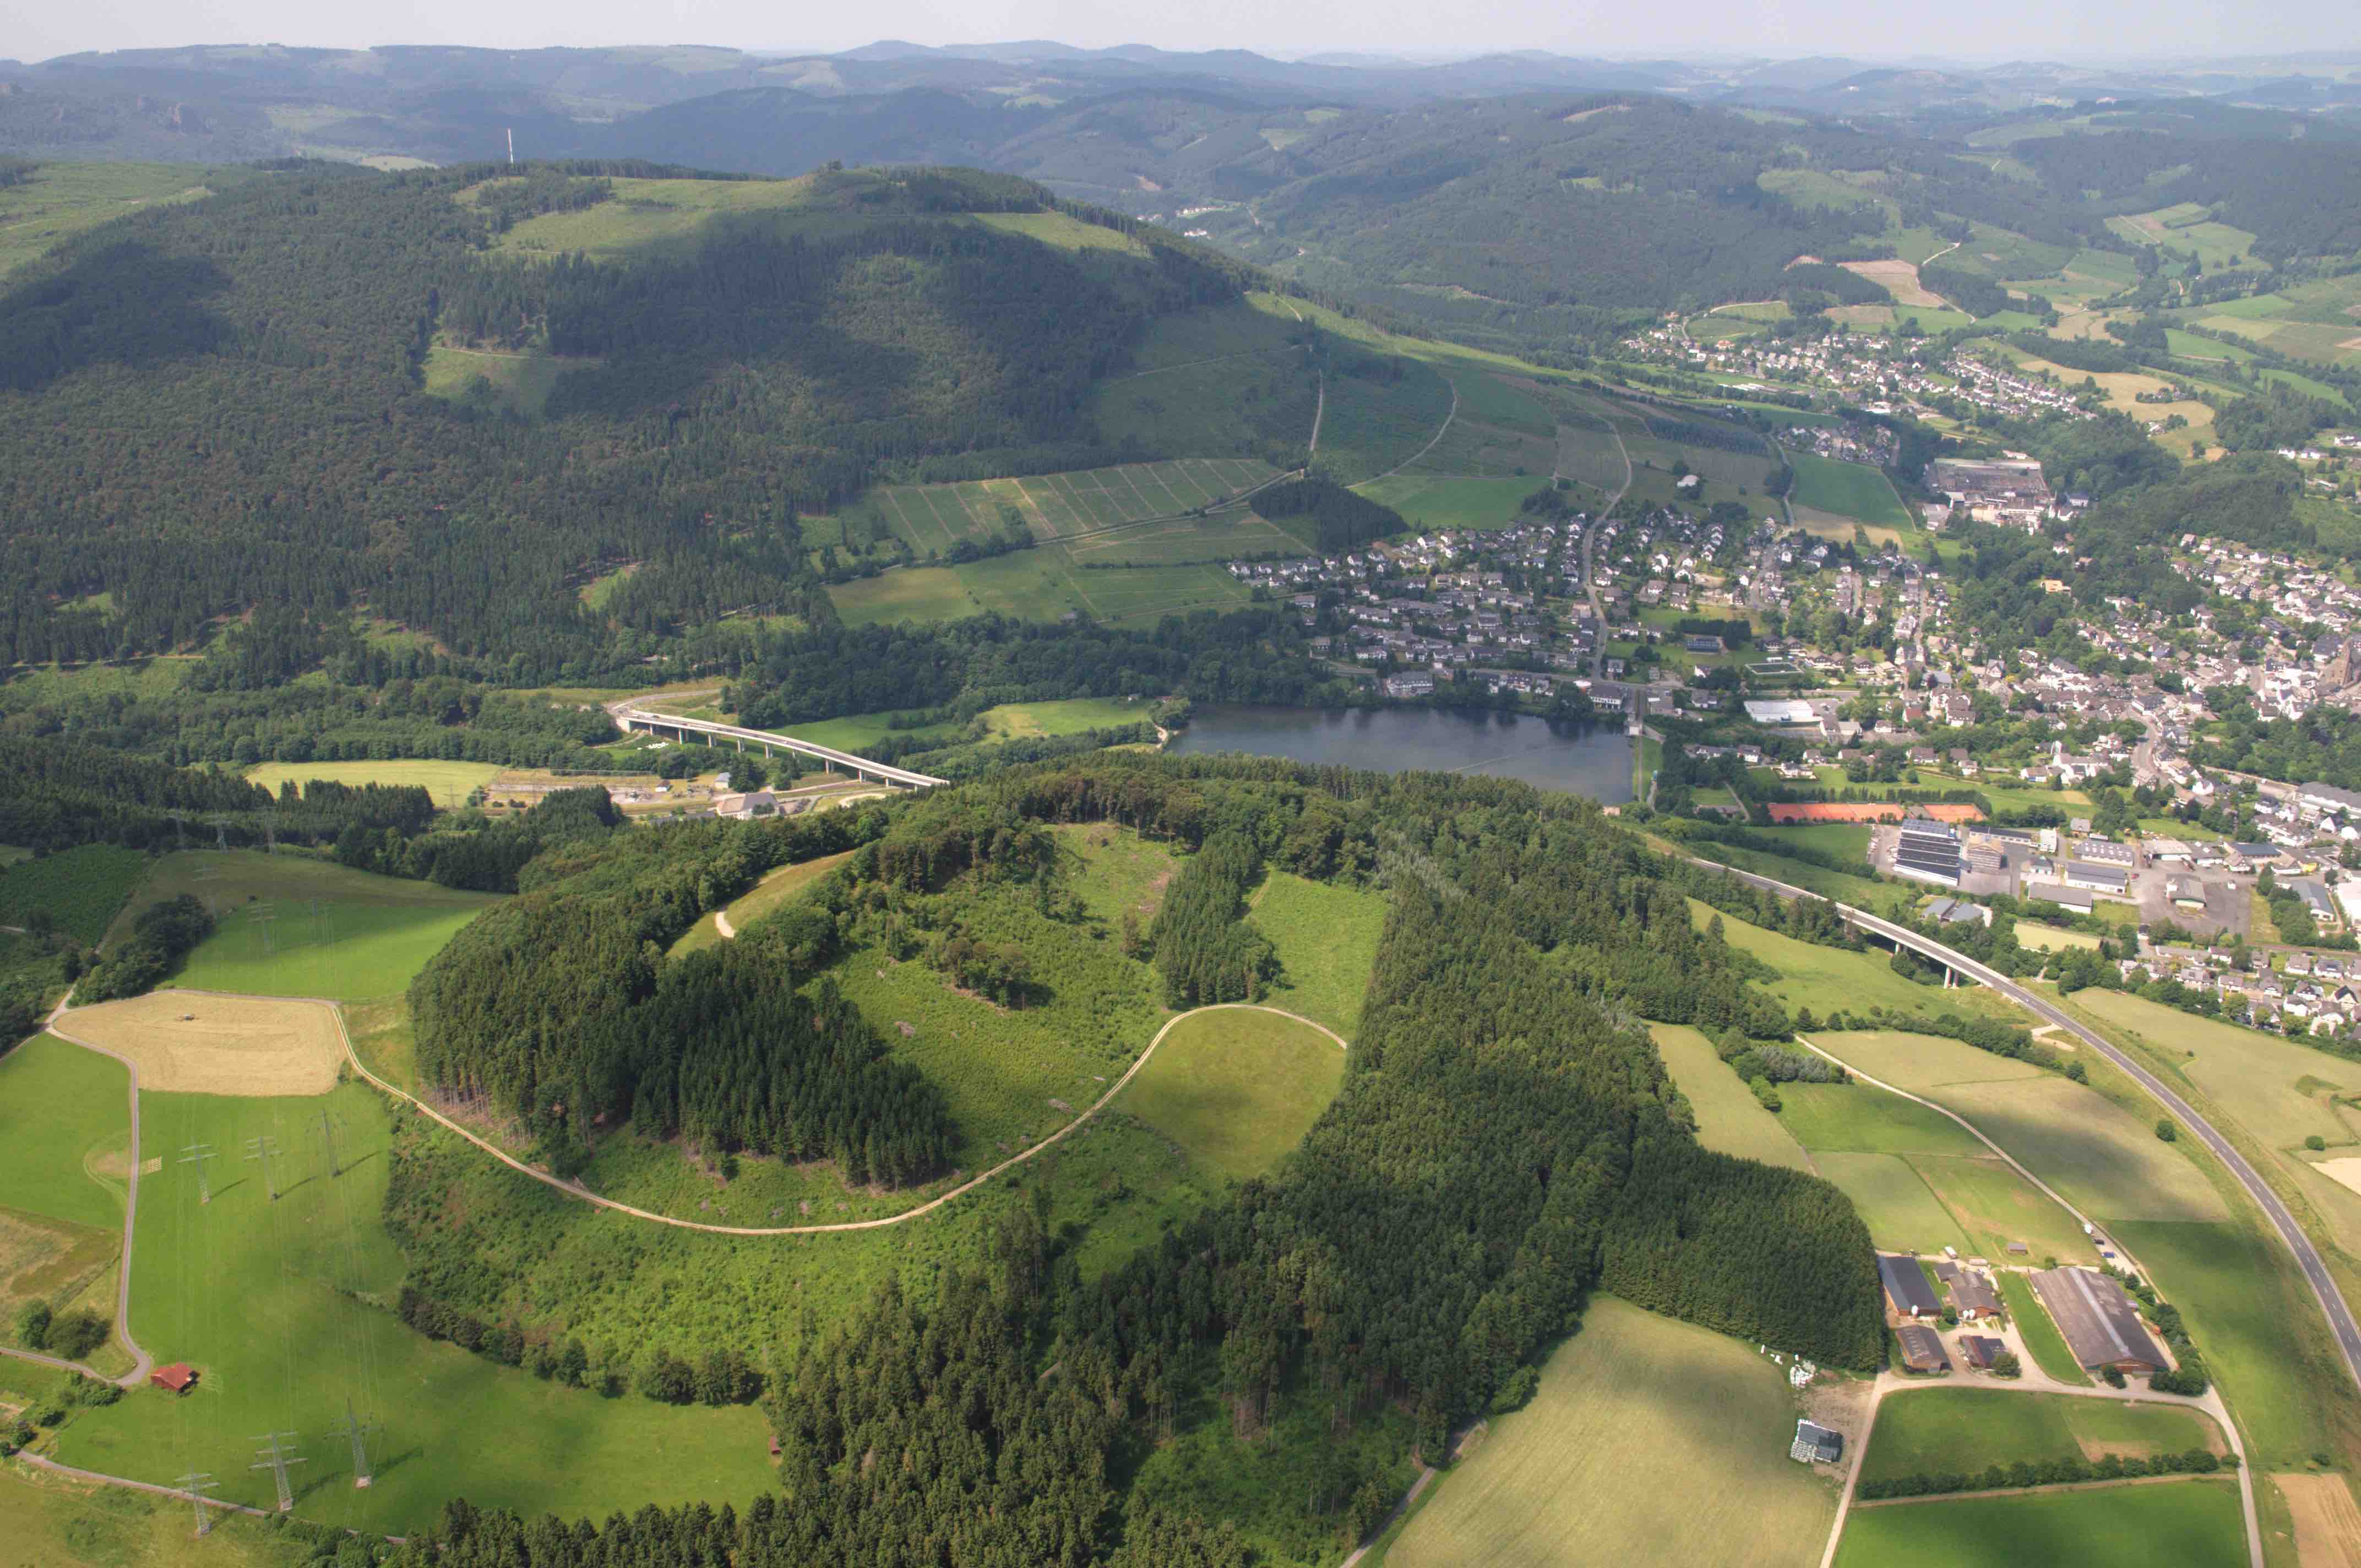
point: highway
(628, 716)
(2307, 1257)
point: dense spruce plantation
(1506, 1141)
(242, 376)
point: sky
(2078, 29)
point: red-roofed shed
(177, 1378)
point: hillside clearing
(1237, 1087)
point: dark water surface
(1593, 759)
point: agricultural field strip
(972, 1182)
(2007, 1159)
(2315, 1271)
(1077, 499)
(1440, 431)
(142, 1362)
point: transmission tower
(197, 1155)
(269, 831)
(221, 836)
(196, 1483)
(181, 828)
(262, 915)
(276, 1459)
(266, 1149)
(329, 1137)
(357, 1430)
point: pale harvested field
(2344, 1172)
(186, 1043)
(1900, 279)
(2327, 1523)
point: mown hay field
(189, 1044)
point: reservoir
(1581, 759)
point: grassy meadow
(1649, 1441)
(280, 1305)
(1326, 938)
(288, 924)
(2191, 1524)
(65, 1128)
(774, 892)
(1730, 1119)
(449, 783)
(49, 1522)
(1939, 1428)
(62, 200)
(1236, 1089)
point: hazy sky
(1995, 29)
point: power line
(276, 1459)
(329, 1137)
(197, 1155)
(265, 1148)
(357, 1430)
(196, 1483)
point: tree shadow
(129, 303)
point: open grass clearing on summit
(2189, 1524)
(449, 783)
(1730, 1119)
(65, 1122)
(288, 924)
(1649, 1441)
(1326, 938)
(1236, 1088)
(185, 1043)
(1931, 1431)
(774, 892)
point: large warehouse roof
(2101, 1325)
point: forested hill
(224, 404)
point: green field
(1893, 1201)
(1730, 1119)
(1649, 1441)
(2106, 1161)
(1236, 1089)
(47, 1523)
(290, 926)
(516, 383)
(857, 732)
(2279, 1090)
(1326, 939)
(65, 1125)
(267, 1299)
(1857, 1117)
(1434, 500)
(775, 891)
(81, 888)
(1042, 583)
(1846, 489)
(2189, 1524)
(933, 518)
(62, 200)
(1919, 1062)
(2040, 1332)
(1374, 425)
(449, 783)
(1932, 1430)
(1826, 978)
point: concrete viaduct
(1954, 962)
(629, 719)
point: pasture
(62, 200)
(2104, 1159)
(1649, 1441)
(518, 383)
(858, 731)
(1236, 1088)
(1918, 1062)
(1819, 977)
(1435, 500)
(290, 926)
(55, 1523)
(1379, 421)
(1932, 1429)
(935, 517)
(267, 1299)
(65, 1128)
(185, 1043)
(1326, 939)
(2191, 1524)
(1846, 489)
(80, 889)
(449, 783)
(1893, 1201)
(1730, 1119)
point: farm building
(1971, 1294)
(1922, 1349)
(1907, 1294)
(177, 1378)
(2101, 1325)
(1929, 851)
(1980, 1351)
(1816, 1443)
(2112, 881)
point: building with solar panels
(1929, 851)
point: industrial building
(1929, 851)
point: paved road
(2307, 1257)
(576, 1190)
